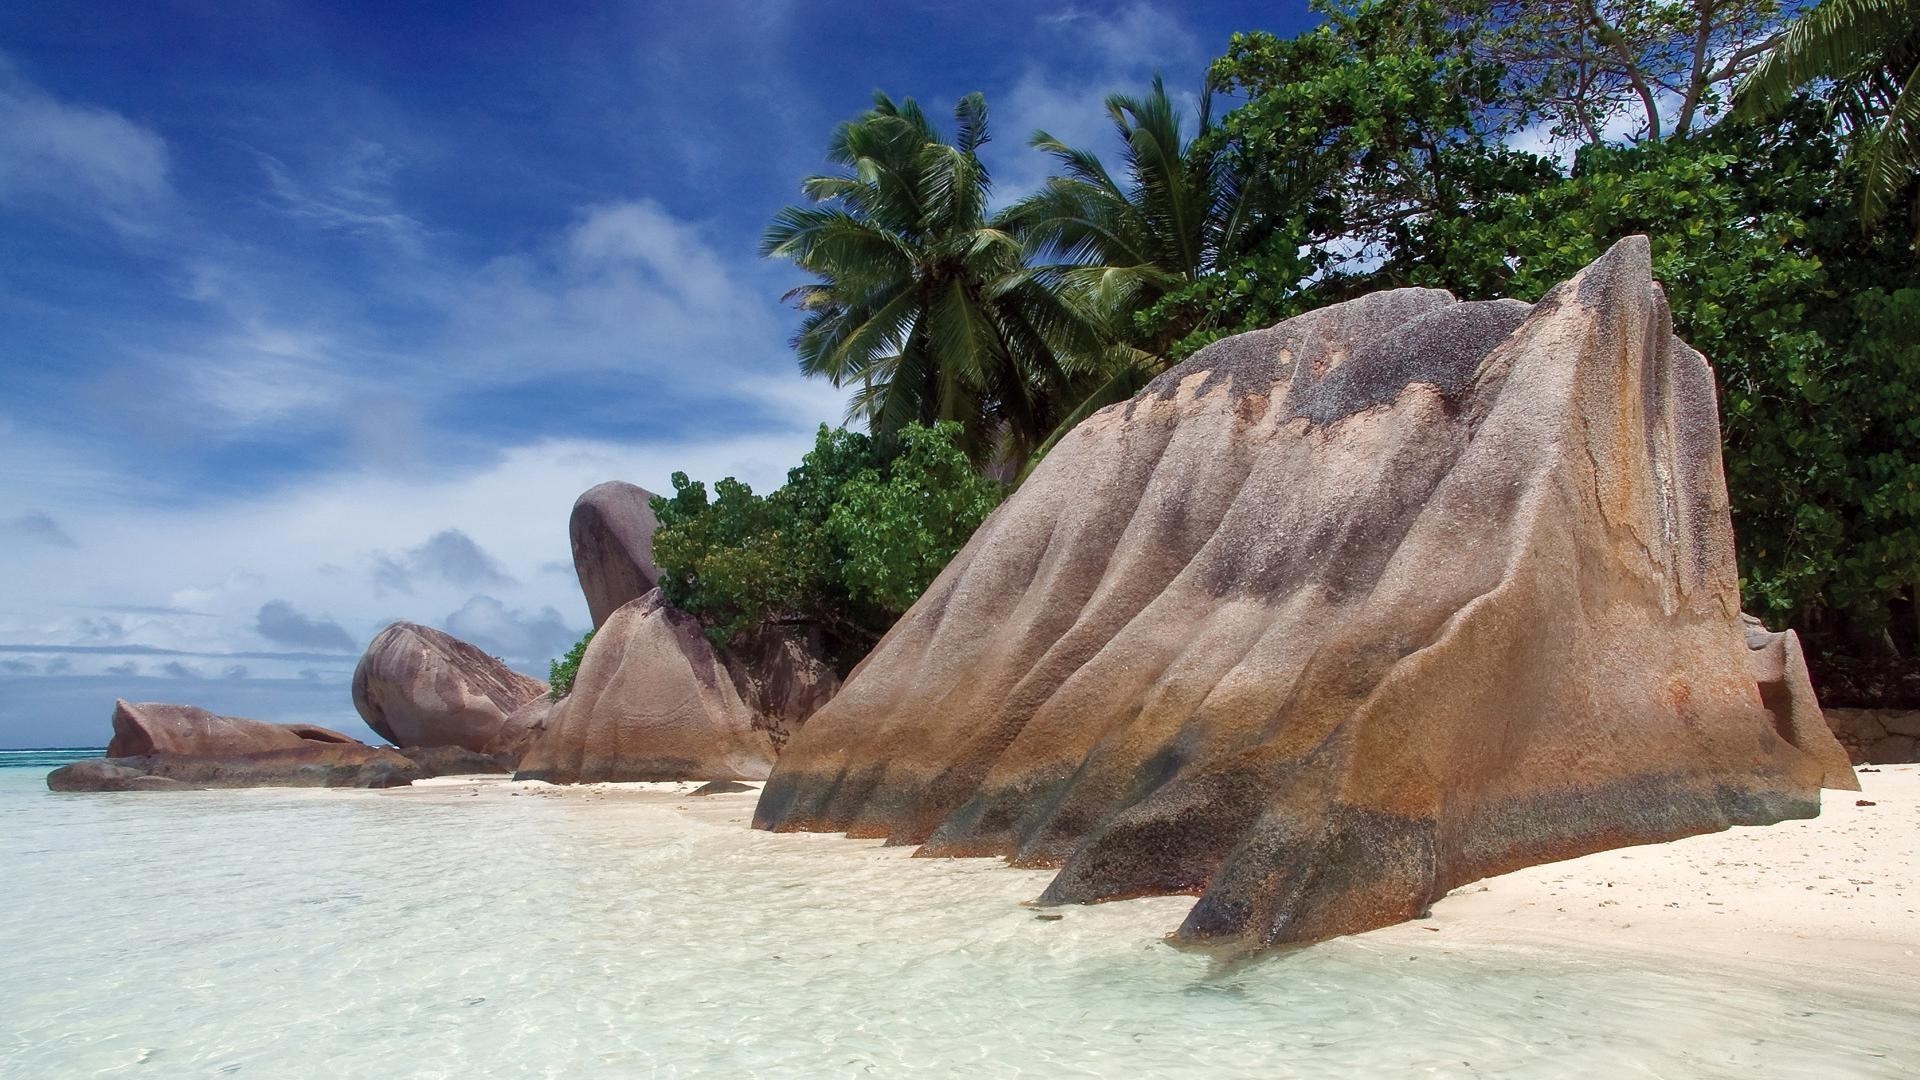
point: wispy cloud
(353, 194)
(75, 155)
(1120, 50)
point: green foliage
(562, 672)
(899, 527)
(1365, 130)
(847, 544)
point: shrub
(562, 672)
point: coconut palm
(1870, 51)
(1181, 211)
(1115, 247)
(922, 303)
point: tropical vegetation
(845, 546)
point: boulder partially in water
(653, 700)
(159, 746)
(1332, 618)
(417, 686)
(612, 533)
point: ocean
(312, 933)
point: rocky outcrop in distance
(1332, 618)
(158, 746)
(652, 700)
(612, 534)
(419, 687)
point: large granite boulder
(1332, 618)
(652, 701)
(612, 532)
(159, 747)
(417, 686)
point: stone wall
(1877, 736)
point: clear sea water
(299, 933)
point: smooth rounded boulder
(1333, 618)
(159, 746)
(612, 534)
(652, 700)
(417, 686)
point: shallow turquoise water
(343, 934)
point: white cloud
(75, 154)
(1121, 51)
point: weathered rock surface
(784, 676)
(1332, 618)
(152, 727)
(1779, 668)
(652, 701)
(612, 531)
(157, 746)
(106, 774)
(417, 686)
(456, 761)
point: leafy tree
(1645, 68)
(922, 303)
(740, 560)
(901, 526)
(848, 544)
(1366, 131)
(1869, 51)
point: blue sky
(314, 316)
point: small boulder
(106, 774)
(158, 746)
(652, 701)
(1780, 669)
(417, 686)
(720, 787)
(612, 532)
(153, 727)
(456, 761)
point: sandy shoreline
(1834, 900)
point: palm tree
(1182, 212)
(1115, 248)
(1870, 51)
(923, 303)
